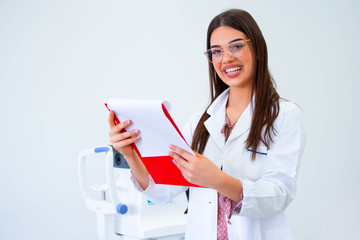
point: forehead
(224, 34)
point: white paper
(156, 130)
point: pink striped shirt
(226, 206)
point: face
(236, 72)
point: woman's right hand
(122, 141)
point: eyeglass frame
(228, 50)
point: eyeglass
(235, 49)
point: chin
(238, 83)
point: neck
(239, 99)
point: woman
(248, 143)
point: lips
(236, 69)
(232, 70)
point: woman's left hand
(196, 169)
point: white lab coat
(269, 182)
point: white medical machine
(123, 213)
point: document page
(156, 130)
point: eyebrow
(228, 43)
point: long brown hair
(266, 107)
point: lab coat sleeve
(276, 188)
(162, 194)
(157, 193)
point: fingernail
(136, 131)
(128, 121)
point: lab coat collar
(243, 124)
(219, 103)
(216, 120)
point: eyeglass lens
(235, 49)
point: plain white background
(61, 60)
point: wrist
(130, 155)
(229, 186)
(219, 180)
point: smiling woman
(248, 143)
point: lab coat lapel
(216, 120)
(214, 125)
(243, 124)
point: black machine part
(119, 160)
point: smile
(232, 70)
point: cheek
(249, 60)
(252, 66)
(218, 69)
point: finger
(184, 171)
(126, 142)
(123, 125)
(181, 152)
(113, 123)
(119, 127)
(181, 168)
(121, 136)
(179, 161)
(111, 119)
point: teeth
(233, 69)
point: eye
(216, 51)
(236, 46)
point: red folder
(161, 168)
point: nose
(227, 57)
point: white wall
(60, 60)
